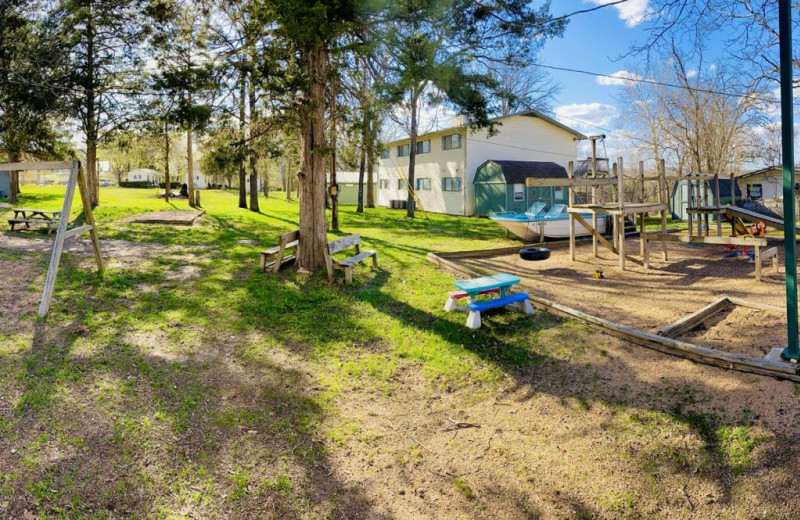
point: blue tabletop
(495, 281)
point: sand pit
(693, 277)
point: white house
(447, 160)
(766, 183)
(144, 175)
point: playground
(185, 382)
(648, 299)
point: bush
(136, 184)
(172, 185)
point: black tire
(534, 253)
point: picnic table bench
(286, 242)
(497, 283)
(341, 244)
(47, 217)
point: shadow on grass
(145, 431)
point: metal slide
(753, 216)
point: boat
(538, 222)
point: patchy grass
(185, 383)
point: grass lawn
(184, 383)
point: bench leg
(375, 261)
(474, 320)
(348, 274)
(263, 262)
(526, 307)
(449, 305)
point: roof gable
(515, 172)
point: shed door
(490, 198)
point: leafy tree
(104, 41)
(31, 90)
(442, 49)
(184, 74)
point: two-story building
(447, 160)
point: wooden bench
(340, 244)
(761, 256)
(51, 224)
(475, 308)
(286, 241)
(454, 296)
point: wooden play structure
(616, 209)
(76, 178)
(605, 194)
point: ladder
(412, 191)
(76, 177)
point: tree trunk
(412, 156)
(313, 239)
(370, 165)
(242, 174)
(13, 188)
(361, 167)
(334, 191)
(167, 190)
(91, 118)
(251, 104)
(190, 168)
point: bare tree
(523, 88)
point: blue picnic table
(496, 283)
(484, 284)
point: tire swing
(534, 253)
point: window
(424, 146)
(400, 184)
(450, 142)
(451, 184)
(197, 177)
(754, 191)
(385, 153)
(403, 151)
(519, 192)
(422, 184)
(383, 184)
(558, 193)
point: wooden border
(700, 354)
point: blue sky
(593, 42)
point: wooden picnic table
(27, 216)
(47, 214)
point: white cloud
(587, 117)
(691, 73)
(620, 77)
(633, 12)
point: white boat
(553, 223)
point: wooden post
(704, 215)
(570, 200)
(615, 223)
(718, 204)
(75, 178)
(690, 202)
(594, 195)
(621, 195)
(663, 191)
(641, 215)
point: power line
(659, 83)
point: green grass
(184, 379)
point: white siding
(434, 165)
(521, 138)
(771, 184)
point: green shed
(500, 186)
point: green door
(490, 198)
